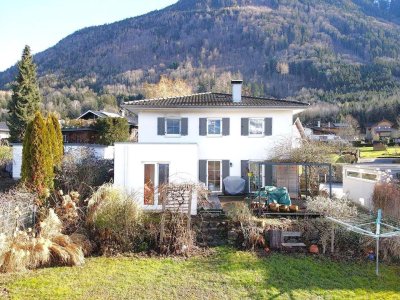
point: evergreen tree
(55, 139)
(25, 98)
(37, 161)
(112, 130)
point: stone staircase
(211, 229)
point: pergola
(302, 164)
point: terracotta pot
(314, 249)
(293, 208)
(284, 208)
(274, 207)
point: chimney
(237, 90)
(319, 124)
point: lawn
(226, 274)
(368, 152)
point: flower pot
(274, 207)
(284, 208)
(314, 249)
(293, 208)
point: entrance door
(257, 179)
(214, 176)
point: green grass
(368, 152)
(227, 274)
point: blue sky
(42, 23)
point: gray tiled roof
(4, 127)
(213, 100)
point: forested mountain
(344, 53)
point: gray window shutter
(225, 172)
(268, 175)
(225, 126)
(161, 126)
(245, 126)
(203, 171)
(184, 126)
(244, 170)
(268, 126)
(203, 126)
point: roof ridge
(265, 98)
(166, 98)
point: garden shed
(359, 180)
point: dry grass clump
(116, 219)
(68, 211)
(24, 251)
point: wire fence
(17, 210)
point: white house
(201, 138)
(359, 180)
(4, 131)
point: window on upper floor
(172, 126)
(256, 127)
(214, 127)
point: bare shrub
(81, 171)
(176, 234)
(325, 229)
(116, 219)
(386, 197)
(24, 250)
(250, 235)
(5, 154)
(332, 207)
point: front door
(214, 176)
(156, 175)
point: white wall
(359, 190)
(130, 159)
(101, 152)
(4, 135)
(234, 147)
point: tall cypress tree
(37, 161)
(25, 98)
(55, 139)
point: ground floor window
(214, 175)
(155, 176)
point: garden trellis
(372, 226)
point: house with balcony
(202, 138)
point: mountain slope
(280, 46)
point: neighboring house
(329, 129)
(4, 131)
(83, 133)
(381, 130)
(359, 180)
(202, 138)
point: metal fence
(17, 209)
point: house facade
(4, 131)
(202, 138)
(380, 131)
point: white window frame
(221, 129)
(220, 174)
(156, 205)
(263, 127)
(166, 127)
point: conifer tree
(25, 98)
(37, 162)
(55, 139)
